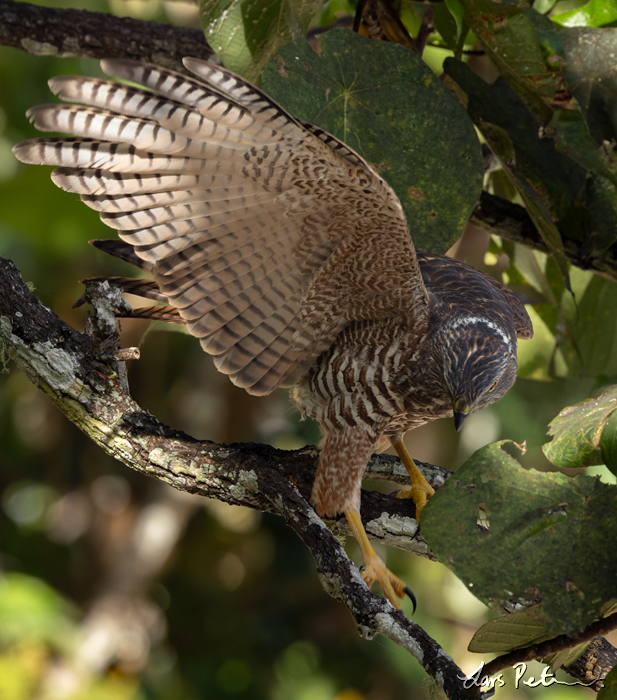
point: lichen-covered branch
(49, 31)
(69, 368)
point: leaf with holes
(578, 431)
(513, 535)
(384, 102)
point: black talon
(361, 569)
(409, 592)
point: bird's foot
(393, 588)
(420, 494)
(420, 491)
(373, 568)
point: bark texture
(49, 31)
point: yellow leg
(373, 568)
(420, 490)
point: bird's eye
(492, 387)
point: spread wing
(267, 235)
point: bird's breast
(384, 386)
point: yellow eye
(492, 387)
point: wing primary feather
(252, 223)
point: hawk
(289, 258)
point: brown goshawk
(289, 258)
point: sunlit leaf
(384, 102)
(595, 13)
(577, 431)
(30, 610)
(246, 35)
(512, 534)
(21, 669)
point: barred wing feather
(267, 234)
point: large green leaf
(512, 534)
(577, 432)
(247, 33)
(384, 102)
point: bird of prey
(290, 259)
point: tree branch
(594, 664)
(512, 222)
(63, 364)
(48, 31)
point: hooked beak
(461, 412)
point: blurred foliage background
(114, 586)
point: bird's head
(479, 364)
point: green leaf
(571, 339)
(510, 632)
(512, 534)
(525, 47)
(573, 139)
(577, 432)
(544, 223)
(595, 13)
(457, 11)
(384, 102)
(446, 24)
(565, 657)
(592, 351)
(32, 611)
(547, 180)
(609, 687)
(592, 78)
(246, 35)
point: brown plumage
(289, 258)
